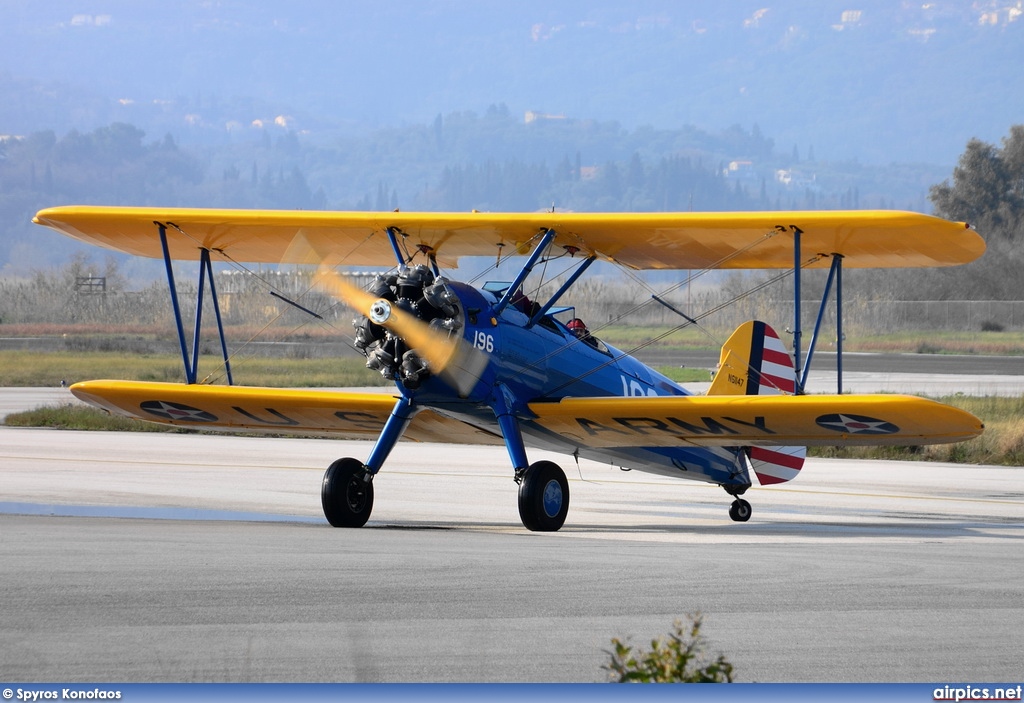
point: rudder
(754, 361)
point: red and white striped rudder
(754, 361)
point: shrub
(679, 658)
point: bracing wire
(241, 352)
(238, 352)
(697, 318)
(640, 306)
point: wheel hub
(552, 498)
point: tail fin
(755, 362)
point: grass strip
(42, 369)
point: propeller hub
(380, 312)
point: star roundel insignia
(856, 424)
(176, 411)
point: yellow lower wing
(586, 422)
(338, 413)
(756, 420)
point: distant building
(740, 171)
(1002, 16)
(847, 20)
(532, 116)
(90, 20)
(795, 179)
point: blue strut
(504, 402)
(400, 417)
(837, 263)
(527, 268)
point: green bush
(679, 658)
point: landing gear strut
(543, 497)
(347, 493)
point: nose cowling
(428, 298)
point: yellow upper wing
(691, 240)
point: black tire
(740, 510)
(543, 497)
(346, 495)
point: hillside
(866, 80)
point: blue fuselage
(546, 362)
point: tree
(988, 187)
(679, 658)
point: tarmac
(163, 557)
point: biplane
(490, 366)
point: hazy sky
(867, 79)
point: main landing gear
(347, 489)
(347, 493)
(543, 496)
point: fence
(245, 301)
(874, 316)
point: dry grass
(78, 417)
(28, 368)
(986, 343)
(1001, 444)
(161, 331)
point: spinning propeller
(411, 325)
(445, 352)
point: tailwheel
(740, 510)
(543, 497)
(347, 493)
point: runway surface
(863, 362)
(137, 557)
